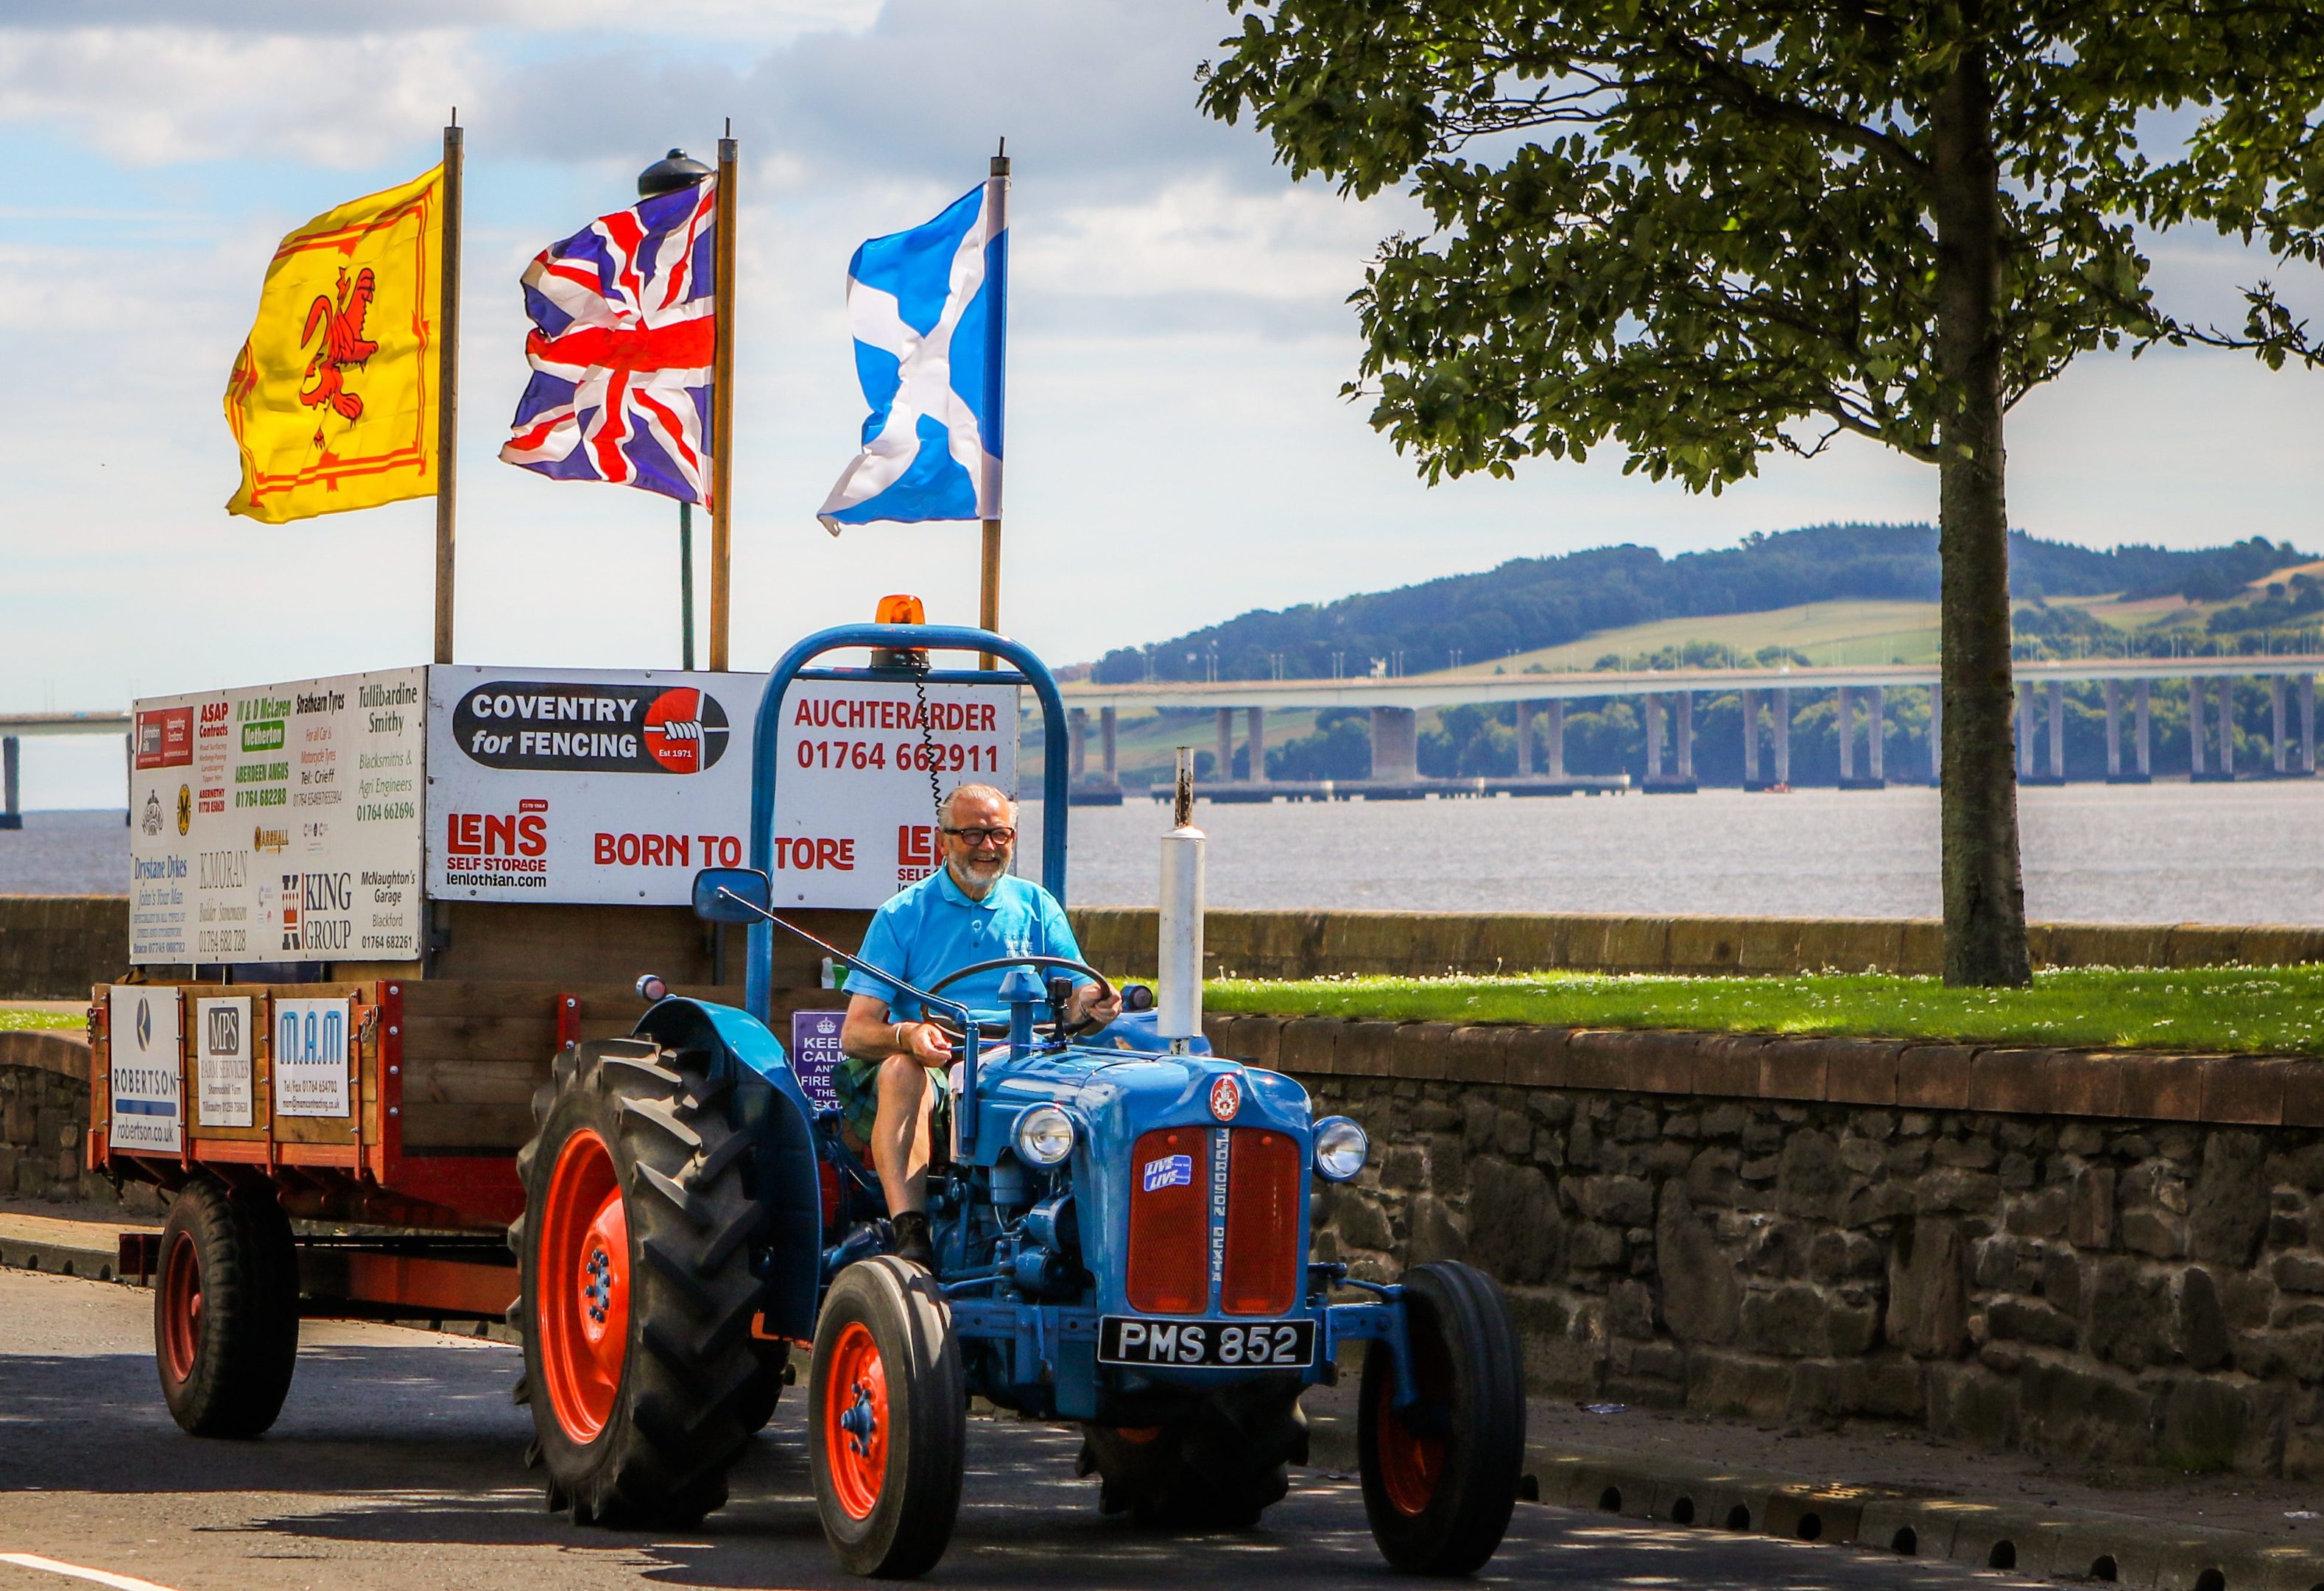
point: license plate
(1140, 1339)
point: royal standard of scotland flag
(929, 308)
(623, 325)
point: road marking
(34, 1561)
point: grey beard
(970, 884)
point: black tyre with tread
(914, 1492)
(693, 1385)
(1439, 1488)
(230, 1368)
(1219, 1471)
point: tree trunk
(1985, 896)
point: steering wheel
(1001, 1030)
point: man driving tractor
(891, 1079)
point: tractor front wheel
(1441, 1477)
(887, 1419)
(636, 1294)
(226, 1309)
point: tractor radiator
(1171, 1265)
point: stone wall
(1430, 944)
(54, 946)
(1815, 1231)
(44, 1117)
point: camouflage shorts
(856, 1082)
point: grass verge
(2275, 1010)
(16, 1017)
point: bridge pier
(2024, 731)
(2276, 748)
(2308, 724)
(1683, 704)
(2143, 727)
(1937, 733)
(1108, 722)
(1077, 736)
(1782, 728)
(2057, 731)
(1875, 730)
(12, 815)
(1225, 752)
(2226, 692)
(2113, 691)
(1254, 721)
(1654, 737)
(1555, 763)
(1395, 745)
(2196, 692)
(1750, 739)
(1524, 740)
(1844, 720)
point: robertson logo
(564, 727)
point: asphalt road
(398, 1463)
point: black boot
(911, 1231)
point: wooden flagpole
(448, 390)
(722, 405)
(996, 202)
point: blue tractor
(1121, 1229)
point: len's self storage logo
(563, 728)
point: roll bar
(1056, 771)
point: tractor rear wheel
(1440, 1478)
(887, 1419)
(1221, 1470)
(226, 1309)
(634, 1255)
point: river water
(2160, 853)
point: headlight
(1341, 1148)
(1044, 1136)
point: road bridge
(1668, 700)
(14, 726)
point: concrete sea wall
(54, 946)
(2117, 1257)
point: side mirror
(755, 892)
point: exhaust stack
(1179, 960)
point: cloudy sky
(1178, 448)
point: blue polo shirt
(930, 929)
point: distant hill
(1529, 603)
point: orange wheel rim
(181, 1308)
(855, 1419)
(582, 1277)
(1411, 1465)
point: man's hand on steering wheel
(1093, 1006)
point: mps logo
(224, 1033)
(1172, 1170)
(1226, 1098)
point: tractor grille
(1169, 1258)
(1171, 1263)
(1262, 1275)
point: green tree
(1714, 231)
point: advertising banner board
(585, 785)
(312, 1061)
(858, 766)
(148, 1077)
(222, 1050)
(278, 823)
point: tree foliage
(1708, 232)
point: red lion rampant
(344, 346)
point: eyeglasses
(982, 837)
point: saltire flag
(623, 325)
(333, 398)
(930, 310)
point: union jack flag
(620, 349)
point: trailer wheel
(226, 1309)
(1221, 1470)
(1440, 1480)
(887, 1419)
(636, 1287)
